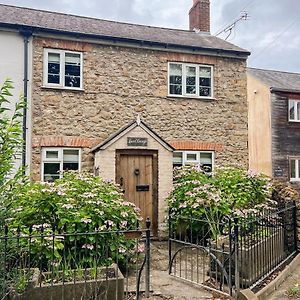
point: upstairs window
(204, 158)
(190, 80)
(295, 169)
(57, 160)
(294, 110)
(62, 69)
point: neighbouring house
(274, 124)
(129, 102)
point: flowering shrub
(10, 144)
(230, 191)
(78, 202)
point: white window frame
(61, 83)
(59, 159)
(185, 161)
(187, 95)
(296, 159)
(295, 103)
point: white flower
(124, 223)
(109, 223)
(67, 206)
(61, 193)
(88, 246)
(86, 220)
(124, 214)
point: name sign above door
(137, 142)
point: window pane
(191, 80)
(71, 155)
(176, 69)
(72, 59)
(292, 110)
(72, 70)
(52, 154)
(298, 110)
(51, 171)
(175, 79)
(206, 161)
(204, 72)
(191, 156)
(205, 81)
(205, 92)
(205, 158)
(177, 158)
(293, 169)
(53, 67)
(70, 166)
(175, 89)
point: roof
(277, 80)
(54, 22)
(127, 128)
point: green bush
(78, 202)
(10, 177)
(229, 191)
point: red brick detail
(64, 141)
(196, 145)
(200, 15)
(189, 58)
(63, 44)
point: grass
(294, 291)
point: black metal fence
(231, 254)
(44, 262)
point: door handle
(121, 181)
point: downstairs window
(57, 160)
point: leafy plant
(10, 177)
(77, 203)
(294, 291)
(229, 192)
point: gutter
(291, 91)
(140, 43)
(26, 35)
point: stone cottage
(129, 102)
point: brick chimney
(200, 15)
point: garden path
(293, 281)
(167, 287)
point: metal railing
(245, 251)
(71, 263)
(265, 242)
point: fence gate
(232, 254)
(196, 256)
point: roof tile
(46, 20)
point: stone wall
(120, 83)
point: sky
(271, 33)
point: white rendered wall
(12, 67)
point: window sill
(295, 180)
(62, 88)
(190, 97)
(294, 121)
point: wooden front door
(136, 172)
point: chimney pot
(200, 15)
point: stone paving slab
(164, 286)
